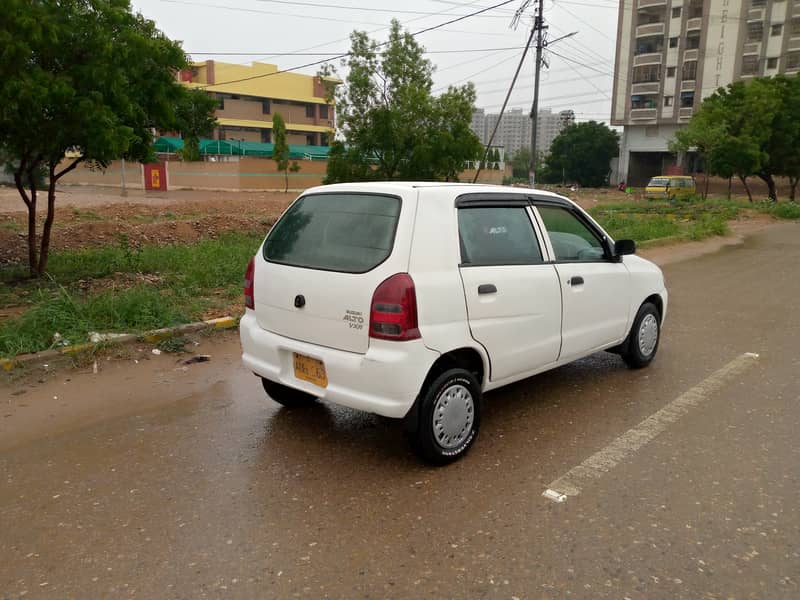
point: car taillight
(393, 313)
(249, 284)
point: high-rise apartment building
(514, 131)
(673, 53)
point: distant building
(514, 131)
(673, 53)
(249, 97)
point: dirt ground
(94, 216)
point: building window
(795, 26)
(772, 63)
(755, 31)
(647, 74)
(676, 12)
(696, 9)
(668, 100)
(266, 106)
(758, 3)
(266, 136)
(750, 64)
(692, 42)
(323, 111)
(673, 42)
(687, 99)
(310, 111)
(310, 139)
(650, 46)
(793, 61)
(670, 71)
(777, 29)
(689, 71)
(643, 102)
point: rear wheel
(449, 416)
(288, 397)
(640, 348)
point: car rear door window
(572, 240)
(349, 233)
(497, 236)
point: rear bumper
(385, 380)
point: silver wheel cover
(648, 335)
(453, 416)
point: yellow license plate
(310, 369)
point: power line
(363, 8)
(319, 62)
(462, 51)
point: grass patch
(187, 282)
(780, 210)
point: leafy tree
(583, 153)
(521, 163)
(496, 159)
(195, 119)
(280, 151)
(390, 120)
(83, 74)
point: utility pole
(538, 27)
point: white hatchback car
(410, 300)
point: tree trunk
(705, 188)
(30, 203)
(730, 183)
(746, 187)
(44, 252)
(793, 187)
(773, 192)
(286, 181)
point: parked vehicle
(410, 300)
(669, 186)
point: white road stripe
(632, 440)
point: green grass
(190, 280)
(781, 210)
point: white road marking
(598, 464)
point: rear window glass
(351, 233)
(658, 182)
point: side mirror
(622, 247)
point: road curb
(156, 335)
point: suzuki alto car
(410, 300)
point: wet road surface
(150, 481)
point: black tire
(637, 350)
(288, 397)
(430, 437)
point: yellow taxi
(669, 186)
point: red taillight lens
(393, 314)
(249, 284)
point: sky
(484, 49)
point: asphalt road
(147, 480)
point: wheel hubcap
(453, 415)
(648, 335)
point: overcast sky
(483, 49)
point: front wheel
(449, 414)
(288, 397)
(640, 348)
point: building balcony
(752, 48)
(651, 29)
(694, 24)
(691, 54)
(645, 88)
(651, 3)
(653, 58)
(685, 113)
(688, 85)
(644, 114)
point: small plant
(173, 345)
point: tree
(496, 159)
(521, 163)
(280, 151)
(390, 120)
(195, 119)
(582, 153)
(82, 74)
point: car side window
(572, 240)
(497, 236)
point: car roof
(458, 188)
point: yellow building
(249, 97)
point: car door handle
(577, 280)
(487, 288)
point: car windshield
(350, 233)
(658, 182)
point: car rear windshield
(350, 233)
(658, 182)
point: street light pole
(538, 25)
